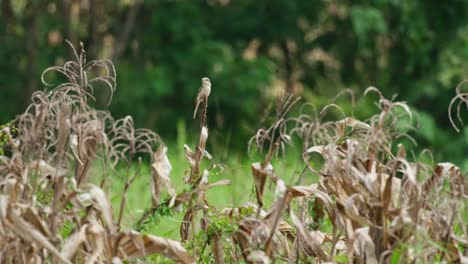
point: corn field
(374, 201)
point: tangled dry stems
(378, 202)
(46, 184)
(460, 99)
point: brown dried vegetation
(379, 205)
(45, 182)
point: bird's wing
(198, 93)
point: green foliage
(7, 131)
(66, 230)
(396, 256)
(44, 197)
(162, 211)
(221, 224)
(367, 21)
(158, 259)
(342, 258)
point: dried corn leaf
(313, 190)
(73, 242)
(31, 216)
(258, 256)
(161, 168)
(29, 233)
(98, 241)
(98, 198)
(351, 210)
(260, 172)
(310, 244)
(364, 246)
(129, 247)
(187, 221)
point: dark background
(252, 50)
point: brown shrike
(203, 92)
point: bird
(203, 92)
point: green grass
(235, 169)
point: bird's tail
(196, 108)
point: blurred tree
(251, 50)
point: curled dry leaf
(258, 256)
(313, 190)
(25, 230)
(310, 244)
(161, 168)
(187, 221)
(261, 172)
(134, 244)
(364, 246)
(96, 196)
(73, 242)
(97, 239)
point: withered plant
(380, 205)
(50, 210)
(460, 99)
(373, 203)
